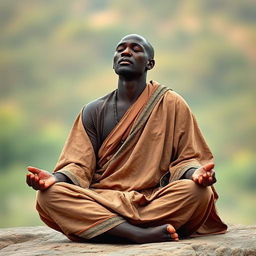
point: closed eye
(137, 48)
(120, 48)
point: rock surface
(239, 240)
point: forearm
(60, 177)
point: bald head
(133, 57)
(147, 45)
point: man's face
(131, 58)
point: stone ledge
(239, 240)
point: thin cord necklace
(116, 114)
(115, 108)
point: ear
(150, 64)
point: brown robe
(157, 138)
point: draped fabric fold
(158, 135)
(123, 128)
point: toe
(175, 236)
(172, 232)
(171, 229)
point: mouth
(125, 62)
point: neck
(129, 90)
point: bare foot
(144, 235)
(157, 234)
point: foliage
(56, 56)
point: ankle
(143, 235)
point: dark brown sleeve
(88, 119)
(62, 177)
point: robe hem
(101, 227)
(71, 176)
(181, 171)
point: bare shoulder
(94, 106)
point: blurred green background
(56, 56)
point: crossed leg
(181, 206)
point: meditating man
(135, 165)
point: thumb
(208, 167)
(33, 169)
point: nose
(126, 52)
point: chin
(126, 72)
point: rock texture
(239, 240)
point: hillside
(56, 56)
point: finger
(209, 181)
(213, 176)
(206, 183)
(195, 179)
(41, 185)
(203, 181)
(36, 180)
(32, 180)
(208, 167)
(214, 180)
(34, 170)
(200, 179)
(37, 183)
(28, 180)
